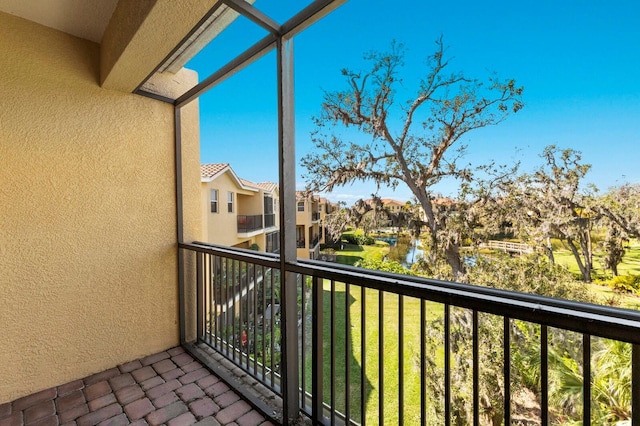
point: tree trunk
(584, 270)
(585, 245)
(549, 249)
(589, 248)
(452, 253)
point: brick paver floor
(168, 388)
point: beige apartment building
(237, 212)
(307, 225)
(243, 214)
(394, 206)
(326, 207)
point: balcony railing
(249, 223)
(378, 348)
(269, 220)
(314, 242)
(300, 243)
(315, 216)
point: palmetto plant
(610, 384)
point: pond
(389, 240)
(413, 254)
(404, 249)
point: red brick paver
(233, 412)
(97, 390)
(169, 388)
(138, 409)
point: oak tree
(416, 142)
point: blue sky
(579, 62)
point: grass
(386, 323)
(347, 324)
(352, 253)
(630, 266)
(347, 347)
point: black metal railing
(248, 223)
(378, 348)
(300, 243)
(239, 310)
(269, 220)
(314, 242)
(315, 216)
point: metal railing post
(316, 349)
(635, 385)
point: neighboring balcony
(314, 242)
(249, 225)
(269, 220)
(315, 217)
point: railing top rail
(604, 321)
(615, 323)
(259, 258)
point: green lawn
(352, 253)
(388, 323)
(348, 329)
(630, 264)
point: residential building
(393, 206)
(307, 225)
(237, 212)
(325, 207)
(242, 214)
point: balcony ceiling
(86, 19)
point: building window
(273, 242)
(268, 205)
(269, 215)
(300, 206)
(230, 202)
(214, 201)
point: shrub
(528, 274)
(625, 283)
(350, 238)
(383, 265)
(367, 241)
(358, 238)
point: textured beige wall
(222, 227)
(88, 271)
(251, 204)
(141, 34)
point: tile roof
(246, 182)
(268, 186)
(210, 170)
(391, 201)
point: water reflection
(404, 249)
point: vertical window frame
(230, 202)
(215, 208)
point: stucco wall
(88, 271)
(222, 227)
